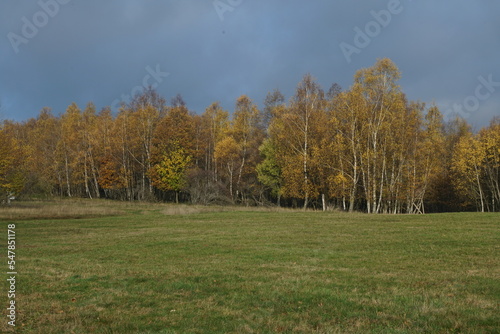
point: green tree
(171, 171)
(268, 171)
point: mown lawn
(165, 269)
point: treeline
(366, 149)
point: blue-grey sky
(55, 52)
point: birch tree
(298, 134)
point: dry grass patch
(86, 208)
(60, 210)
(184, 209)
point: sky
(55, 52)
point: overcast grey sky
(55, 52)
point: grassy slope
(147, 271)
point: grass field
(105, 267)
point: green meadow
(107, 267)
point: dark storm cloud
(102, 50)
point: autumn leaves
(358, 148)
(367, 148)
(11, 176)
(476, 167)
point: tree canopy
(367, 148)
